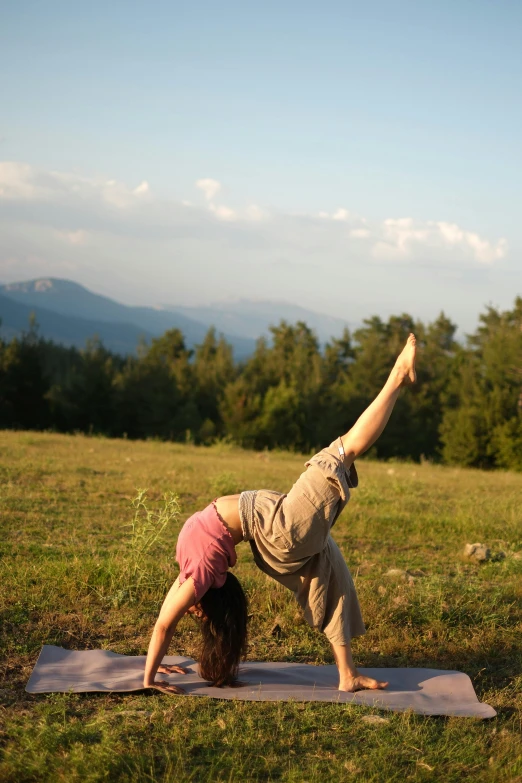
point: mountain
(73, 301)
(118, 337)
(69, 314)
(253, 318)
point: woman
(290, 540)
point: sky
(353, 158)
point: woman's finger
(165, 687)
(164, 669)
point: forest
(292, 393)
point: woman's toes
(371, 684)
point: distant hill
(69, 314)
(253, 318)
(98, 314)
(66, 330)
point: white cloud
(358, 225)
(253, 212)
(120, 196)
(78, 237)
(223, 213)
(143, 189)
(22, 182)
(210, 187)
(360, 233)
(341, 214)
(398, 236)
(57, 203)
(404, 238)
(483, 250)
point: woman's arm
(178, 600)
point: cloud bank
(393, 239)
(126, 239)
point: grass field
(65, 580)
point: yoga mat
(425, 691)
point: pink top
(205, 550)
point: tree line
(466, 408)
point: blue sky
(365, 156)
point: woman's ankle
(346, 678)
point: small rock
(374, 719)
(396, 573)
(478, 552)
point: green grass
(65, 553)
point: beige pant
(291, 542)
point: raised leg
(357, 440)
(372, 422)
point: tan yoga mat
(425, 691)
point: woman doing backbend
(291, 542)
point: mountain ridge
(72, 300)
(241, 321)
(252, 318)
(68, 331)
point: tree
(87, 401)
(155, 391)
(485, 397)
(213, 368)
(23, 383)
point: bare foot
(405, 364)
(359, 683)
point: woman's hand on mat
(165, 687)
(165, 669)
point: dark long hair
(224, 630)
